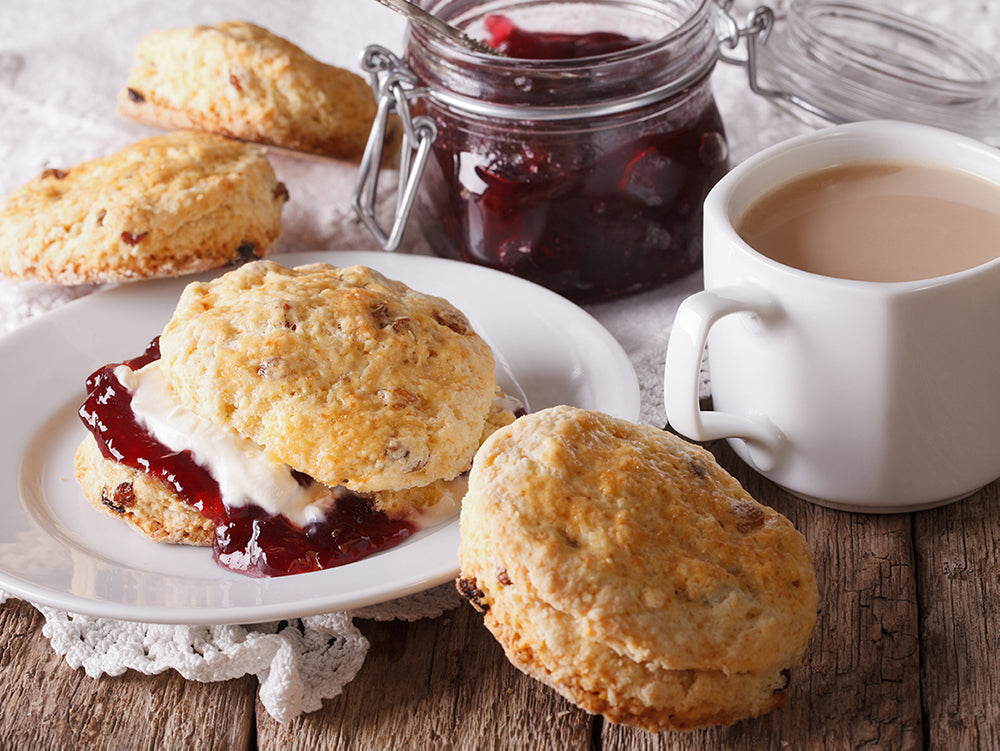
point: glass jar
(846, 61)
(585, 175)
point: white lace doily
(299, 663)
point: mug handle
(695, 316)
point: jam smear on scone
(247, 539)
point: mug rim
(718, 203)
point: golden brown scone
(164, 206)
(548, 645)
(241, 80)
(343, 374)
(600, 549)
(145, 502)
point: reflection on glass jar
(586, 175)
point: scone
(148, 503)
(164, 206)
(348, 376)
(623, 567)
(241, 80)
(313, 415)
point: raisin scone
(296, 419)
(241, 80)
(622, 566)
(164, 206)
(148, 503)
(353, 378)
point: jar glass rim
(664, 73)
(696, 13)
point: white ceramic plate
(56, 550)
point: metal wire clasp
(394, 86)
(759, 24)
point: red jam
(248, 539)
(589, 208)
(512, 41)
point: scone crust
(642, 539)
(343, 374)
(164, 206)
(548, 645)
(238, 79)
(143, 501)
(399, 503)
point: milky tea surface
(878, 221)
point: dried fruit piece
(247, 251)
(133, 238)
(469, 589)
(122, 499)
(398, 398)
(748, 516)
(453, 320)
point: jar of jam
(579, 158)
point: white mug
(866, 396)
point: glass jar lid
(848, 61)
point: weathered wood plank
(958, 549)
(47, 704)
(859, 685)
(439, 683)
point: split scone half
(241, 80)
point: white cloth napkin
(61, 65)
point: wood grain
(958, 557)
(47, 704)
(436, 684)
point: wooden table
(903, 656)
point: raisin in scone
(241, 80)
(622, 566)
(164, 206)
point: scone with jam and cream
(311, 415)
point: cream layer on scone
(245, 473)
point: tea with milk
(878, 221)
